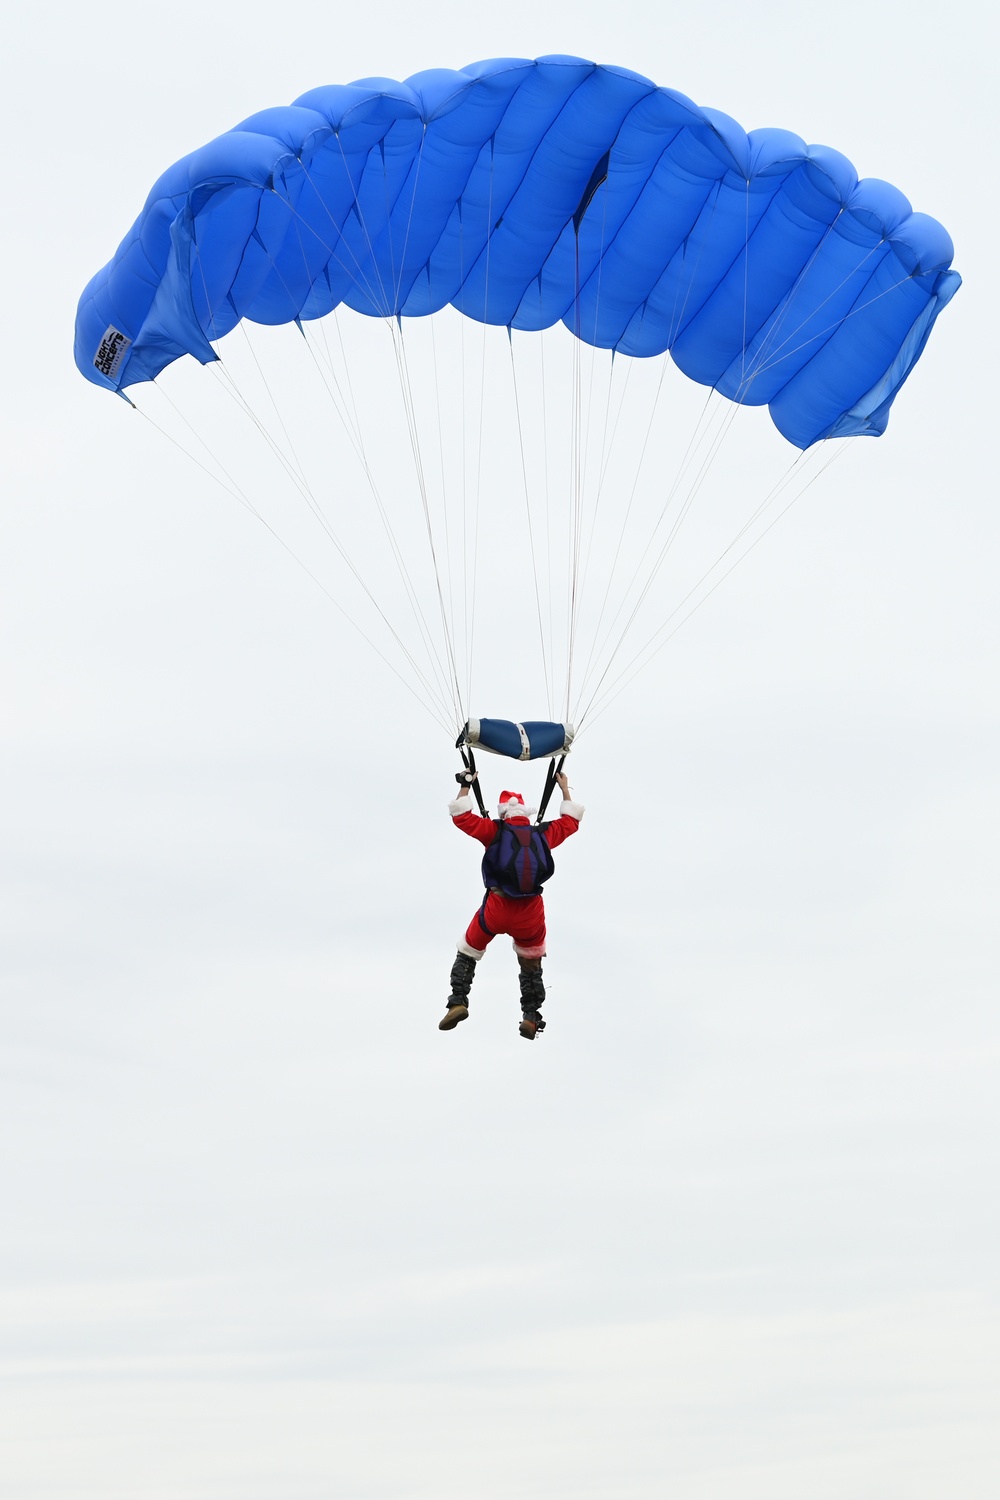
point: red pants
(521, 917)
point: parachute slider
(532, 740)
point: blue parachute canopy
(528, 192)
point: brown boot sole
(455, 1014)
(529, 1030)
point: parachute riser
(550, 785)
(469, 777)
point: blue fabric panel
(502, 737)
(550, 179)
(666, 171)
(545, 739)
(760, 262)
(814, 400)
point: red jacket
(485, 829)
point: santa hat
(511, 805)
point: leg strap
(482, 917)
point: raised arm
(461, 814)
(569, 817)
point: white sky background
(730, 1228)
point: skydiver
(517, 861)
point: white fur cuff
(459, 806)
(538, 952)
(572, 810)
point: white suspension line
(573, 530)
(407, 394)
(345, 405)
(433, 657)
(833, 327)
(685, 508)
(464, 484)
(628, 509)
(445, 506)
(763, 358)
(716, 443)
(450, 672)
(296, 474)
(302, 478)
(357, 274)
(699, 480)
(356, 419)
(531, 529)
(398, 286)
(548, 512)
(385, 519)
(406, 388)
(601, 467)
(232, 489)
(621, 535)
(747, 381)
(381, 305)
(677, 320)
(629, 366)
(471, 617)
(642, 658)
(227, 482)
(703, 431)
(227, 383)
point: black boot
(532, 997)
(463, 972)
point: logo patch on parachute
(111, 351)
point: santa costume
(518, 860)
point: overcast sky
(729, 1231)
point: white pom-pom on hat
(511, 805)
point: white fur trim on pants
(538, 952)
(468, 951)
